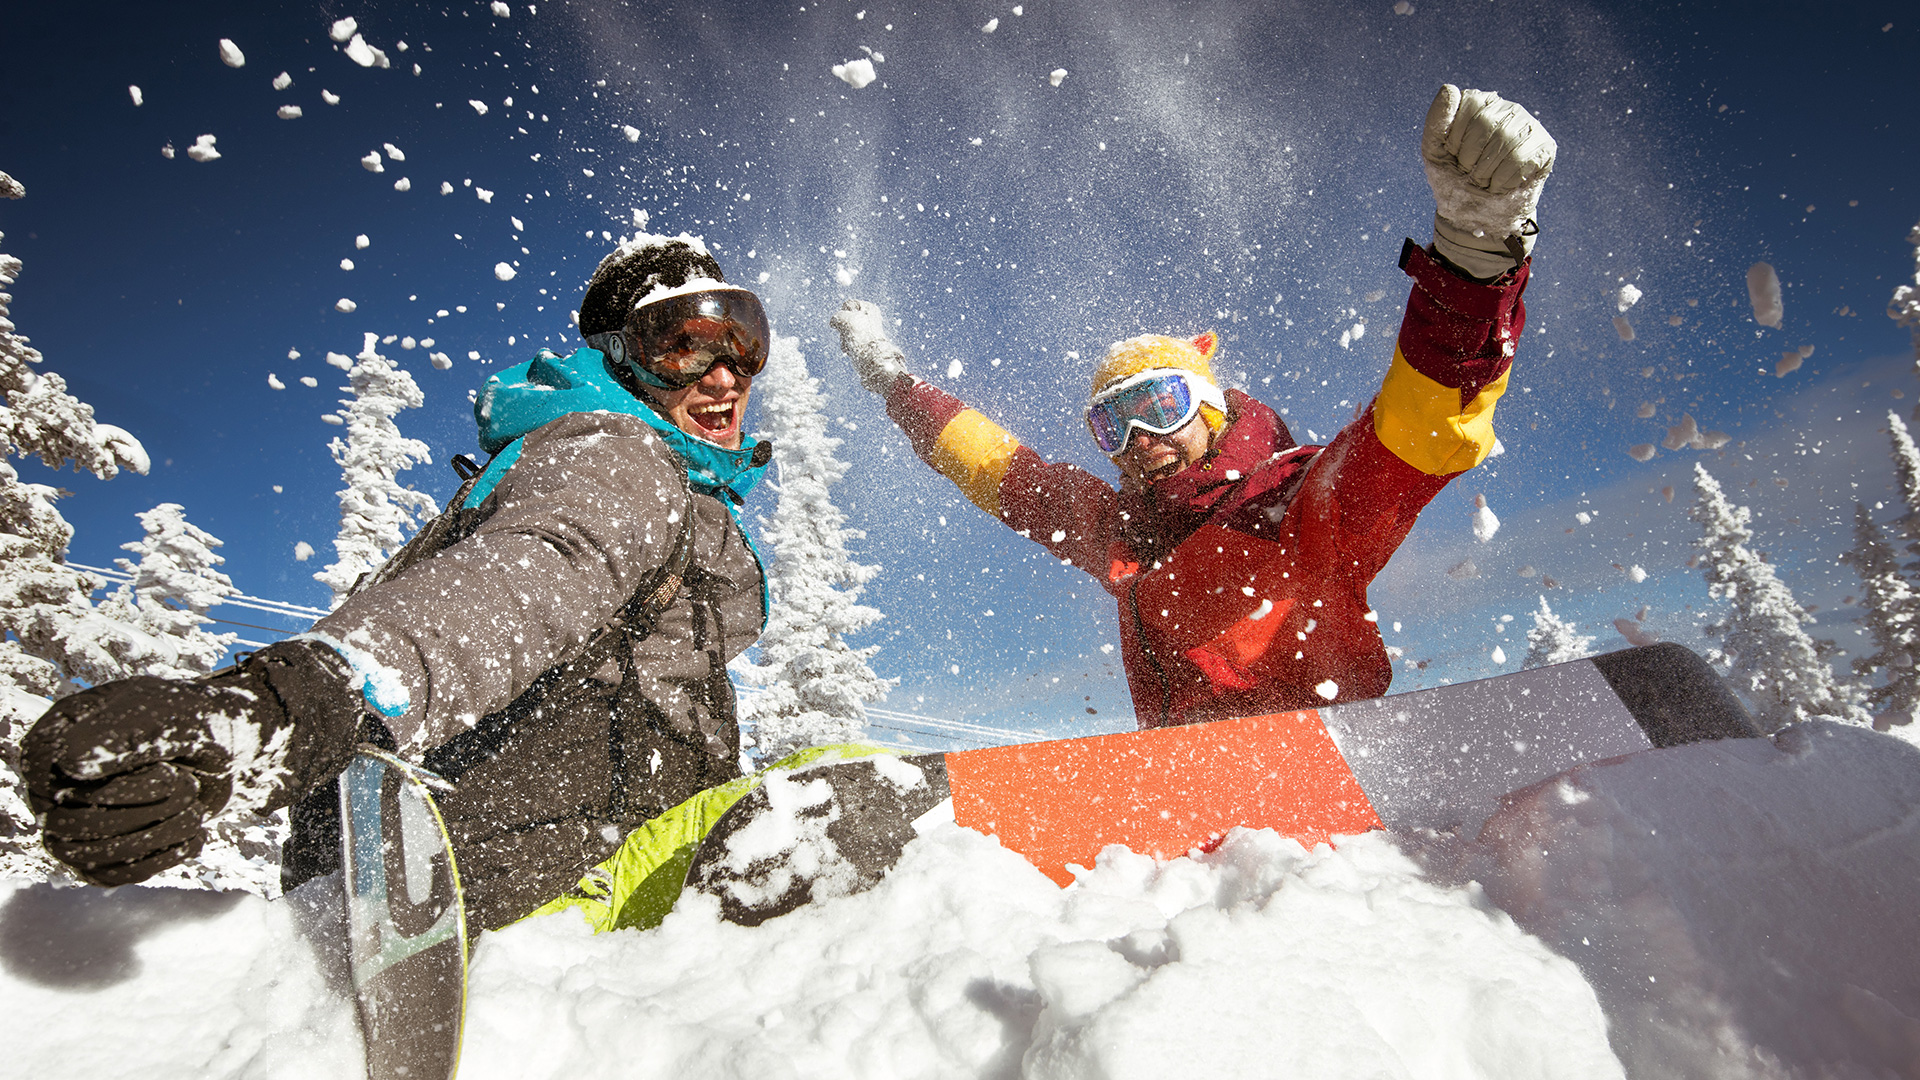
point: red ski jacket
(1242, 580)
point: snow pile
(1742, 908)
(968, 962)
(1730, 909)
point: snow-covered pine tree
(1904, 308)
(1906, 469)
(47, 621)
(1782, 671)
(376, 512)
(812, 686)
(1554, 640)
(173, 585)
(1893, 617)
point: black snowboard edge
(1675, 695)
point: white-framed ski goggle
(1159, 401)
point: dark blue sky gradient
(1249, 168)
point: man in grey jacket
(555, 643)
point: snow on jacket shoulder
(1242, 580)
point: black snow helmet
(630, 273)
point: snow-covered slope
(1728, 909)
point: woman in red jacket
(1241, 560)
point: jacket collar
(521, 398)
(1256, 440)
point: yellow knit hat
(1148, 352)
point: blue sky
(1246, 168)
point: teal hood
(525, 396)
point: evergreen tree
(1906, 469)
(1893, 616)
(173, 585)
(813, 686)
(375, 510)
(1554, 640)
(1904, 308)
(47, 620)
(1783, 672)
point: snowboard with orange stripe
(1432, 759)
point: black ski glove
(125, 774)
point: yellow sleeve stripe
(975, 453)
(1422, 422)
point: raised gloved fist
(865, 340)
(1486, 159)
(124, 775)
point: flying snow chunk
(1628, 296)
(1636, 573)
(202, 149)
(167, 151)
(282, 81)
(446, 188)
(1622, 327)
(1790, 361)
(955, 369)
(441, 360)
(1763, 289)
(1499, 655)
(1641, 451)
(1464, 570)
(344, 306)
(1375, 296)
(231, 55)
(1057, 76)
(371, 162)
(855, 73)
(633, 133)
(501, 10)
(844, 276)
(403, 184)
(364, 54)
(1401, 7)
(1485, 524)
(342, 30)
(1328, 689)
(518, 225)
(992, 25)
(478, 106)
(288, 112)
(503, 271)
(393, 152)
(309, 381)
(329, 97)
(340, 360)
(473, 354)
(1635, 633)
(362, 242)
(408, 342)
(134, 93)
(274, 381)
(303, 551)
(485, 195)
(1644, 410)
(346, 264)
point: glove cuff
(1483, 257)
(303, 743)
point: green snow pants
(638, 884)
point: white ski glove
(864, 338)
(1487, 159)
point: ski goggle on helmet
(1159, 401)
(673, 341)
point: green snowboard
(406, 923)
